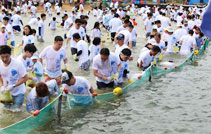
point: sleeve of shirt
(95, 63)
(43, 54)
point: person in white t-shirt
(159, 42)
(25, 58)
(114, 24)
(123, 26)
(94, 48)
(41, 27)
(67, 25)
(16, 19)
(145, 58)
(78, 86)
(33, 11)
(171, 40)
(76, 29)
(37, 68)
(124, 57)
(12, 77)
(148, 25)
(96, 32)
(28, 36)
(53, 23)
(165, 21)
(128, 36)
(82, 52)
(187, 42)
(106, 66)
(9, 31)
(53, 55)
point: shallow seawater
(178, 102)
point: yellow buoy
(196, 52)
(117, 91)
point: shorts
(134, 43)
(101, 85)
(17, 101)
(73, 50)
(148, 34)
(85, 66)
(142, 68)
(17, 28)
(113, 35)
(58, 13)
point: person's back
(179, 33)
(187, 44)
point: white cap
(169, 29)
(35, 57)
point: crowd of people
(109, 68)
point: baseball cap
(120, 37)
(66, 76)
(34, 57)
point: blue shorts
(17, 28)
(17, 101)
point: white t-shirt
(191, 24)
(83, 46)
(81, 86)
(33, 21)
(41, 24)
(120, 28)
(53, 24)
(96, 33)
(58, 9)
(187, 43)
(9, 29)
(106, 68)
(128, 36)
(26, 62)
(53, 58)
(165, 21)
(146, 58)
(148, 24)
(16, 20)
(114, 24)
(133, 34)
(161, 44)
(94, 50)
(12, 74)
(171, 39)
(27, 40)
(72, 31)
(179, 33)
(67, 24)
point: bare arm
(99, 75)
(1, 82)
(21, 81)
(40, 59)
(91, 90)
(140, 64)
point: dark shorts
(113, 35)
(73, 50)
(58, 13)
(147, 35)
(101, 85)
(17, 28)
